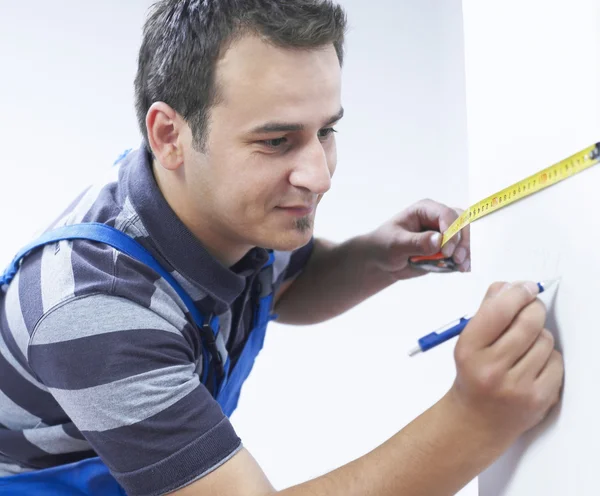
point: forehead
(259, 81)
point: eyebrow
(285, 127)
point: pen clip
(451, 324)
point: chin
(289, 241)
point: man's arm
(437, 454)
(336, 278)
(508, 377)
(339, 276)
(126, 377)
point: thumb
(425, 243)
(495, 289)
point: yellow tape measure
(521, 189)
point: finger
(427, 243)
(549, 382)
(427, 215)
(497, 311)
(449, 250)
(524, 330)
(495, 289)
(465, 266)
(448, 216)
(431, 215)
(535, 359)
(462, 252)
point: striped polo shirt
(98, 355)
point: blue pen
(454, 328)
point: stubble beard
(303, 224)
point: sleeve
(127, 379)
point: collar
(176, 242)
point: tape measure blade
(549, 176)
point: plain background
(319, 396)
(533, 99)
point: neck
(216, 242)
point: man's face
(270, 152)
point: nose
(312, 170)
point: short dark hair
(183, 40)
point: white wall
(533, 84)
(66, 94)
(321, 396)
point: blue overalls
(91, 477)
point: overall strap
(102, 233)
(110, 236)
(261, 304)
(229, 391)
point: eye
(274, 143)
(326, 132)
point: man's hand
(417, 231)
(339, 276)
(508, 378)
(508, 373)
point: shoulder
(66, 272)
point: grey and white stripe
(129, 400)
(54, 440)
(118, 315)
(282, 259)
(14, 417)
(14, 316)
(56, 272)
(7, 469)
(129, 222)
(9, 357)
(162, 304)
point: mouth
(298, 210)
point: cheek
(258, 195)
(255, 189)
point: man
(107, 373)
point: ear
(164, 127)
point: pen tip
(415, 351)
(549, 282)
